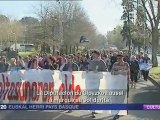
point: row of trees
(114, 37)
(58, 24)
(148, 13)
(140, 30)
(63, 23)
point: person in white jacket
(146, 66)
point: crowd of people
(95, 61)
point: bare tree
(11, 32)
(73, 20)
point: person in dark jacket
(126, 58)
(3, 65)
(83, 63)
(113, 60)
(134, 70)
(70, 65)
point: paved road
(145, 93)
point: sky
(105, 14)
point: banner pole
(127, 94)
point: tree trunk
(42, 48)
(53, 49)
(77, 47)
(155, 39)
(133, 49)
(74, 49)
(139, 49)
(70, 51)
(66, 49)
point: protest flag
(83, 39)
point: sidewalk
(146, 92)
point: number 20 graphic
(3, 107)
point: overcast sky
(105, 14)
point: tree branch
(150, 18)
(138, 3)
(147, 27)
(158, 14)
(152, 10)
(141, 14)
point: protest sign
(55, 87)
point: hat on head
(96, 52)
(120, 55)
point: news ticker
(79, 106)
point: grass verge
(25, 54)
(155, 74)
